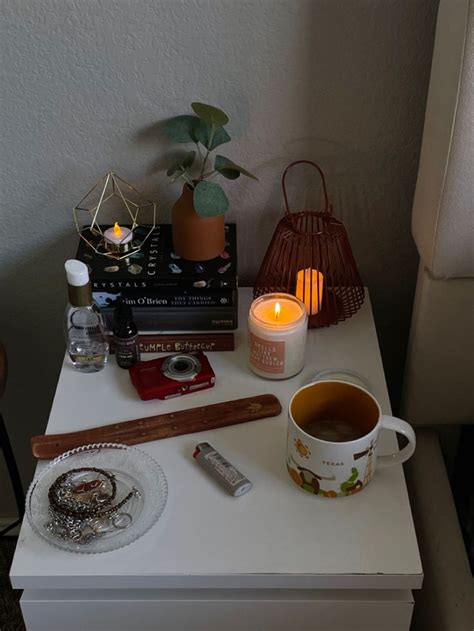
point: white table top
(274, 536)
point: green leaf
(188, 159)
(210, 199)
(203, 134)
(181, 128)
(212, 115)
(230, 169)
(183, 161)
(230, 174)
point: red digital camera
(172, 376)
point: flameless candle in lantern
(310, 256)
(309, 289)
(118, 238)
(277, 335)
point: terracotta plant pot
(196, 238)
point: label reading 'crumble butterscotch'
(267, 356)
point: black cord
(4, 531)
(14, 476)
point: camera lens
(181, 366)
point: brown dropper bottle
(127, 348)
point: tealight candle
(309, 289)
(277, 335)
(117, 237)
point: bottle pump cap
(76, 272)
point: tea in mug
(334, 430)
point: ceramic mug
(333, 433)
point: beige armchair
(439, 376)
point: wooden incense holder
(161, 426)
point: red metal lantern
(310, 257)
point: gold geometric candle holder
(109, 201)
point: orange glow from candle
(279, 312)
(117, 230)
(309, 289)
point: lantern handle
(328, 206)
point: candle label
(266, 355)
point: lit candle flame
(117, 230)
(277, 310)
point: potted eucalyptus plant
(198, 215)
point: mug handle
(401, 427)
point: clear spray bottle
(86, 338)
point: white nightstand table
(275, 559)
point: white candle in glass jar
(277, 335)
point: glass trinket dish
(130, 490)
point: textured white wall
(342, 82)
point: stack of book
(178, 305)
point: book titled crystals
(165, 291)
